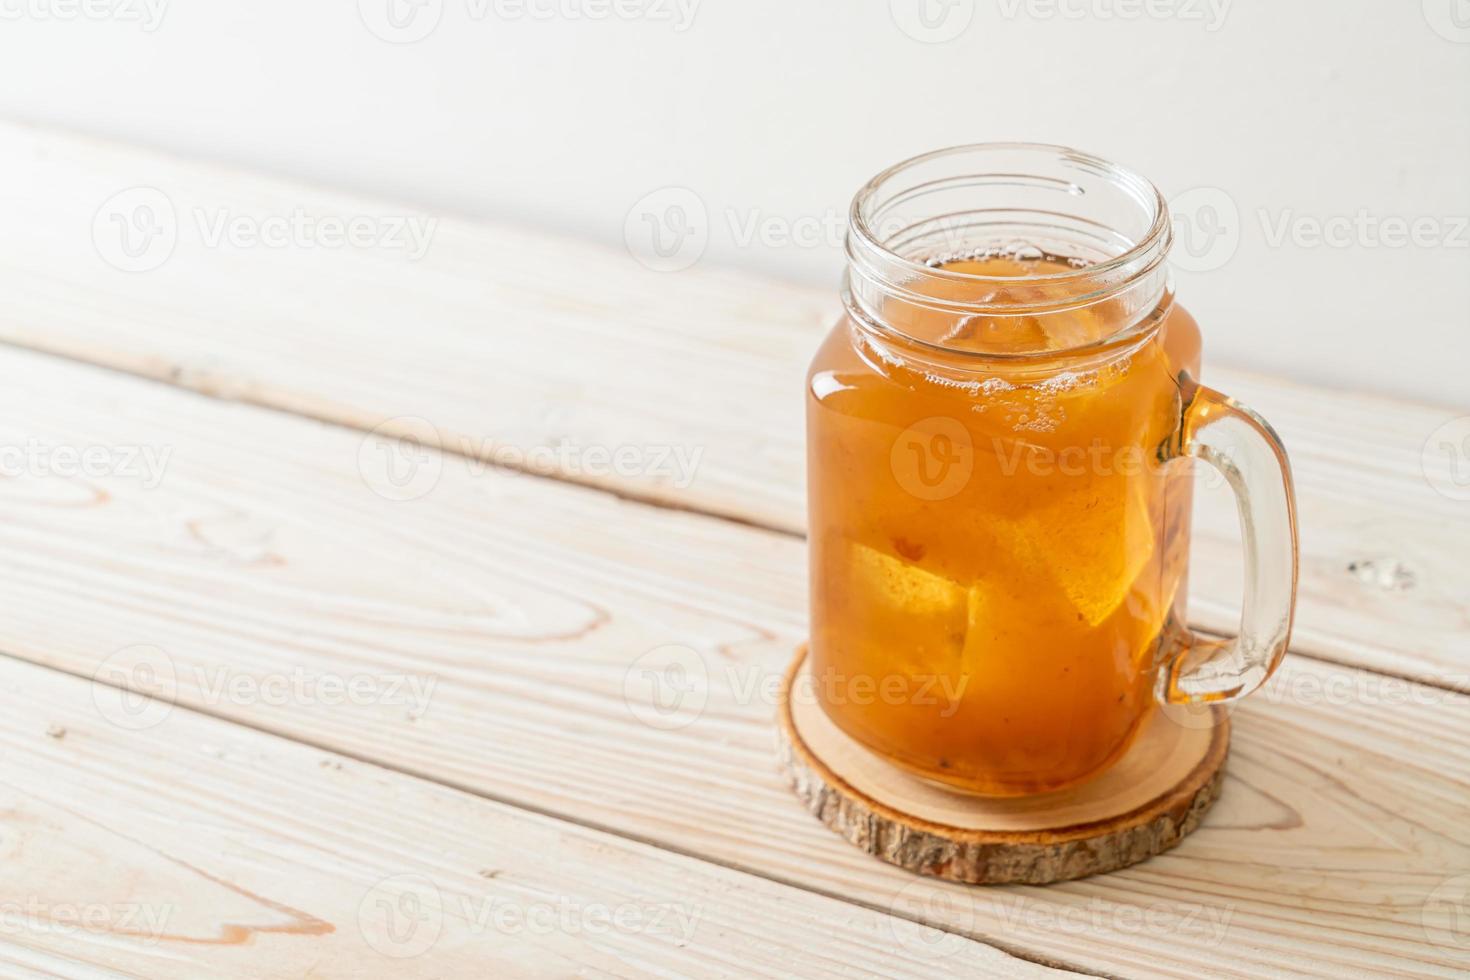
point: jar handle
(1248, 453)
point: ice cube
(1092, 540)
(903, 585)
(897, 618)
(998, 335)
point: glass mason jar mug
(999, 442)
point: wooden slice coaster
(1145, 804)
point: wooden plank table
(286, 697)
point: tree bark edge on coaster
(1144, 804)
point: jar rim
(1116, 214)
(1157, 236)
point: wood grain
(192, 847)
(501, 343)
(540, 611)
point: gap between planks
(168, 404)
(1009, 948)
(320, 333)
(196, 383)
(529, 816)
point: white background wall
(541, 112)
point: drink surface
(997, 544)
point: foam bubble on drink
(970, 387)
(1066, 381)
